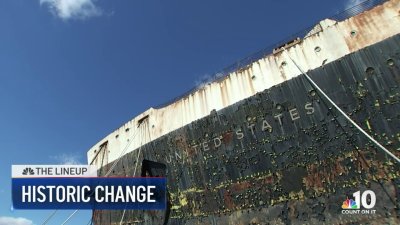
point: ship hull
(284, 155)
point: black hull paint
(222, 169)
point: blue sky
(72, 71)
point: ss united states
(273, 139)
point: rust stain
(292, 210)
(318, 177)
(368, 27)
(361, 162)
(237, 187)
(228, 200)
(268, 180)
(227, 137)
(250, 73)
(224, 93)
(281, 63)
(180, 142)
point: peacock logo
(349, 204)
(28, 171)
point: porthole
(278, 106)
(283, 63)
(313, 93)
(370, 71)
(390, 62)
(317, 49)
(353, 33)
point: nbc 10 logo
(362, 203)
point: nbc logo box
(366, 199)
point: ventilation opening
(287, 45)
(142, 120)
(103, 145)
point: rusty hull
(297, 170)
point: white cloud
(72, 9)
(66, 159)
(4, 220)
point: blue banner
(89, 193)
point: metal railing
(341, 16)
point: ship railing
(245, 62)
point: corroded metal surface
(331, 42)
(284, 156)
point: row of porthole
(116, 137)
(370, 70)
(311, 92)
(126, 130)
(318, 49)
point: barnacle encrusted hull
(262, 146)
(285, 155)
